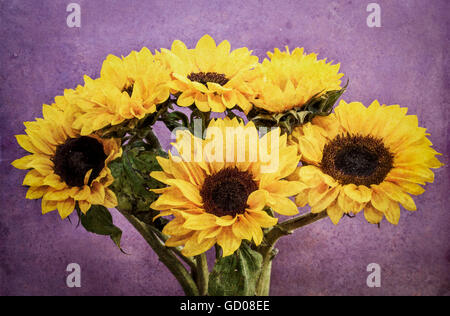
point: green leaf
(132, 182)
(135, 179)
(236, 275)
(99, 221)
(175, 119)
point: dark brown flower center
(204, 77)
(76, 157)
(361, 160)
(227, 191)
(129, 89)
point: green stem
(218, 252)
(267, 248)
(263, 287)
(165, 255)
(287, 227)
(202, 274)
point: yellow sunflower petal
(241, 228)
(328, 198)
(209, 233)
(54, 181)
(175, 227)
(66, 207)
(372, 215)
(393, 213)
(359, 193)
(186, 98)
(97, 194)
(262, 218)
(257, 200)
(33, 178)
(110, 199)
(84, 206)
(189, 190)
(194, 248)
(282, 205)
(205, 53)
(25, 142)
(228, 241)
(36, 192)
(175, 241)
(199, 222)
(227, 220)
(285, 188)
(23, 162)
(255, 229)
(397, 194)
(48, 206)
(335, 213)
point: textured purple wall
(405, 62)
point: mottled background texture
(403, 62)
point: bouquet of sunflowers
(252, 142)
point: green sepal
(99, 221)
(237, 274)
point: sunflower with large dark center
(205, 77)
(227, 191)
(356, 159)
(76, 157)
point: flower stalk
(268, 251)
(196, 282)
(165, 255)
(202, 274)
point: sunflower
(363, 158)
(210, 76)
(129, 87)
(65, 167)
(221, 197)
(289, 80)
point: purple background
(405, 62)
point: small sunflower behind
(369, 158)
(66, 168)
(293, 88)
(290, 80)
(210, 76)
(221, 197)
(129, 88)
